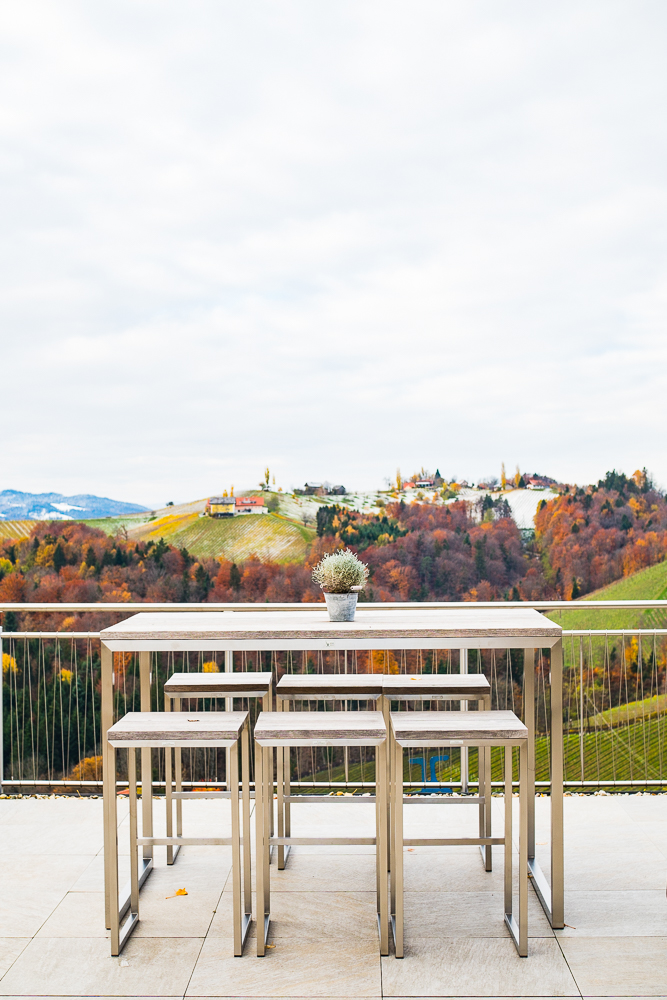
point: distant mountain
(16, 506)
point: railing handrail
(101, 606)
(567, 633)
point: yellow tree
(503, 476)
(399, 480)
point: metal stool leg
(523, 850)
(233, 785)
(169, 804)
(508, 833)
(112, 866)
(261, 849)
(178, 779)
(381, 843)
(245, 779)
(134, 860)
(397, 854)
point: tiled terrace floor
(53, 941)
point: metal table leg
(551, 897)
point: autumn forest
(584, 539)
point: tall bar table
(373, 629)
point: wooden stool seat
(169, 730)
(409, 687)
(219, 685)
(318, 729)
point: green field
(648, 585)
(630, 753)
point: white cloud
(334, 238)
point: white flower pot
(341, 607)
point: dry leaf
(179, 892)
(269, 945)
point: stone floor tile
(466, 914)
(452, 869)
(190, 875)
(654, 831)
(640, 808)
(311, 873)
(10, 949)
(611, 967)
(23, 911)
(19, 840)
(53, 872)
(336, 917)
(84, 967)
(291, 969)
(177, 916)
(92, 877)
(630, 871)
(78, 915)
(479, 967)
(616, 913)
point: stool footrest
(450, 841)
(185, 841)
(364, 799)
(126, 930)
(200, 795)
(145, 868)
(311, 841)
(542, 888)
(513, 928)
(473, 800)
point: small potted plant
(341, 576)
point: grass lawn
(648, 585)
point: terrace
(53, 941)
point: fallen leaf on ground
(269, 946)
(179, 892)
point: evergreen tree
(59, 559)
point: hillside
(16, 529)
(282, 537)
(269, 537)
(648, 584)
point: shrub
(341, 572)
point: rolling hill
(648, 584)
(267, 536)
(16, 529)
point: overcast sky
(330, 238)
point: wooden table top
(172, 729)
(246, 684)
(439, 728)
(275, 630)
(320, 729)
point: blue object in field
(432, 762)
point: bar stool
(450, 687)
(176, 730)
(457, 729)
(246, 684)
(314, 687)
(317, 729)
(383, 689)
